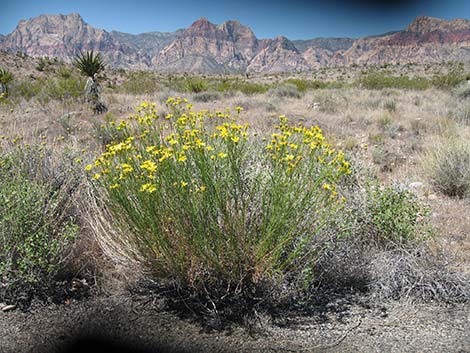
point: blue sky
(295, 19)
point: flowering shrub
(37, 222)
(201, 198)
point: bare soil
(126, 323)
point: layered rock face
(57, 35)
(233, 48)
(425, 40)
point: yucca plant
(90, 65)
(5, 78)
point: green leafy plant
(397, 218)
(37, 225)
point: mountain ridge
(205, 47)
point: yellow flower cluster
(231, 131)
(154, 144)
(154, 139)
(292, 143)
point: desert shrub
(27, 89)
(236, 85)
(286, 90)
(206, 97)
(386, 251)
(250, 87)
(396, 217)
(202, 200)
(37, 222)
(448, 167)
(41, 65)
(194, 85)
(141, 82)
(64, 88)
(381, 81)
(304, 85)
(448, 81)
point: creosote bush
(37, 224)
(201, 199)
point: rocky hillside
(205, 47)
(425, 40)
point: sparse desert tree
(91, 65)
(5, 78)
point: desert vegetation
(228, 190)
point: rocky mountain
(425, 40)
(147, 43)
(64, 36)
(205, 47)
(330, 44)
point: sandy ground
(138, 324)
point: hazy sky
(295, 19)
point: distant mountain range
(231, 47)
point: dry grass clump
(417, 274)
(286, 90)
(447, 165)
(206, 97)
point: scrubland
(235, 198)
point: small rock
(432, 197)
(416, 187)
(8, 308)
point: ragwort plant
(203, 200)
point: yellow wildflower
(149, 166)
(148, 188)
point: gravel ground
(138, 324)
